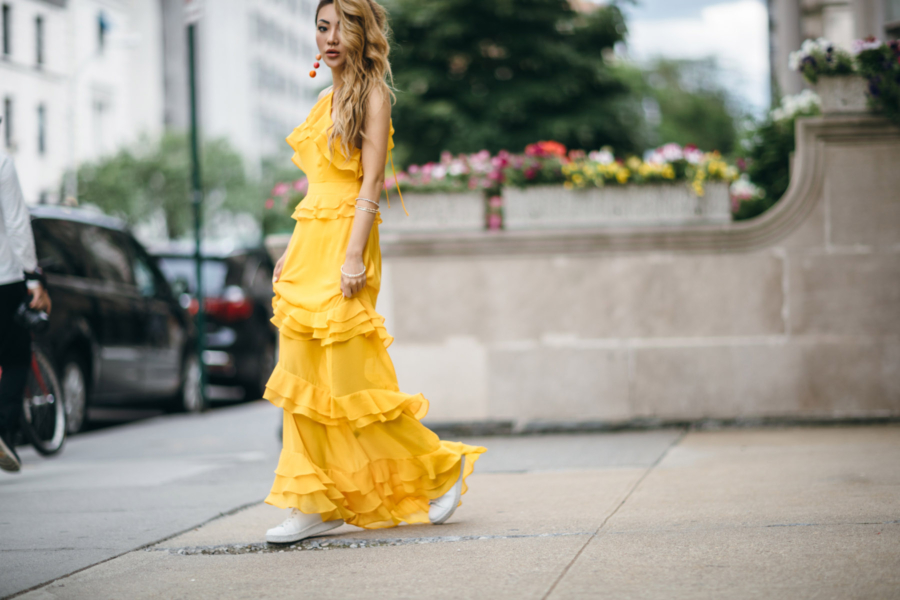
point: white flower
(457, 168)
(824, 44)
(604, 156)
(744, 189)
(868, 44)
(804, 102)
(438, 172)
(794, 60)
(693, 156)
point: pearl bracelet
(349, 275)
(368, 210)
(369, 201)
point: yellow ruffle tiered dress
(354, 448)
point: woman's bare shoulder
(324, 92)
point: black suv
(117, 334)
(237, 290)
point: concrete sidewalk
(777, 513)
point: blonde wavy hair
(364, 36)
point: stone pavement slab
(789, 513)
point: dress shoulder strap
(397, 183)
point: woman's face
(328, 37)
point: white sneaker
(299, 526)
(443, 508)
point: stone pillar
(784, 37)
(868, 16)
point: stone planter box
(434, 212)
(545, 207)
(842, 94)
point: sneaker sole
(456, 497)
(8, 460)
(317, 529)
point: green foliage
(137, 182)
(767, 151)
(881, 67)
(500, 74)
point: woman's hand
(276, 273)
(350, 285)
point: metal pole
(197, 203)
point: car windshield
(214, 272)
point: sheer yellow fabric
(354, 448)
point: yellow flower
(633, 163)
(577, 179)
(698, 188)
(622, 175)
(567, 185)
(668, 172)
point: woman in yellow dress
(354, 449)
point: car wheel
(256, 389)
(190, 398)
(74, 390)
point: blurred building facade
(78, 80)
(254, 58)
(841, 21)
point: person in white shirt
(18, 265)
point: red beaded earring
(315, 65)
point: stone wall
(795, 314)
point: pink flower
(280, 189)
(270, 204)
(413, 169)
(496, 201)
(301, 185)
(530, 173)
(494, 222)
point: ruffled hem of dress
(348, 319)
(383, 493)
(327, 206)
(298, 396)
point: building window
(102, 30)
(7, 29)
(42, 129)
(39, 40)
(8, 122)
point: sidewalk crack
(596, 532)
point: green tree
(135, 183)
(499, 74)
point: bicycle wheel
(44, 411)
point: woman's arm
(374, 153)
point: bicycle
(43, 407)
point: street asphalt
(171, 508)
